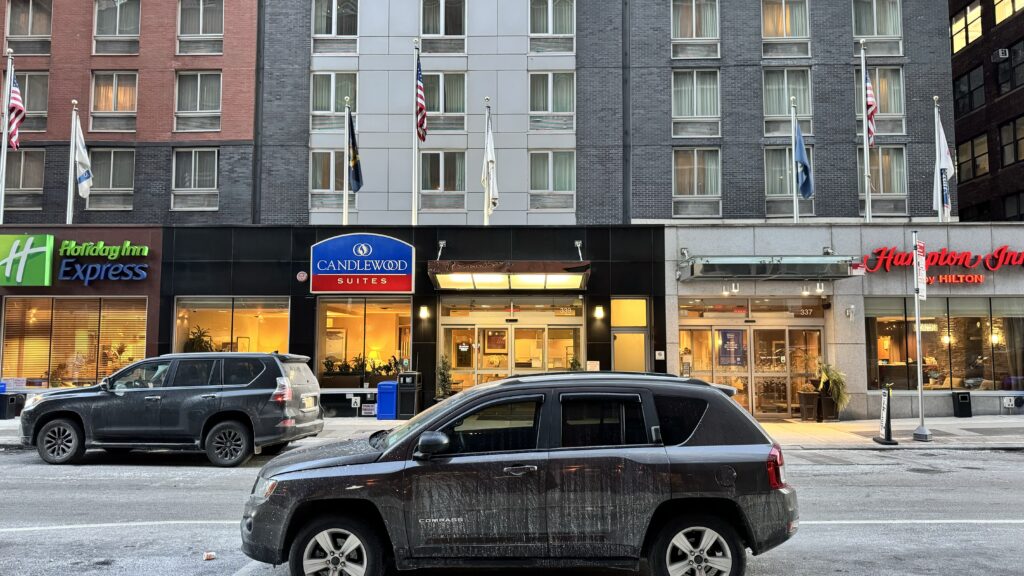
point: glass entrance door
(732, 363)
(770, 372)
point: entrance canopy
(767, 268)
(535, 275)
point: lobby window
(1010, 72)
(335, 26)
(972, 158)
(552, 26)
(965, 26)
(114, 98)
(35, 92)
(969, 91)
(113, 173)
(553, 180)
(445, 94)
(443, 180)
(195, 179)
(1007, 8)
(779, 181)
(201, 27)
(892, 343)
(695, 104)
(198, 106)
(785, 29)
(695, 29)
(231, 325)
(25, 170)
(63, 342)
(363, 340)
(888, 179)
(328, 94)
(117, 27)
(1007, 339)
(779, 85)
(696, 184)
(1011, 138)
(327, 181)
(28, 26)
(887, 83)
(444, 26)
(553, 101)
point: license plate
(309, 402)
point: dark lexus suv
(586, 469)
(226, 404)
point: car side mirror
(429, 444)
(105, 385)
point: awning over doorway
(767, 268)
(537, 275)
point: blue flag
(804, 179)
(355, 167)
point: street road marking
(118, 525)
(902, 522)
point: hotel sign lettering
(360, 263)
(26, 260)
(889, 258)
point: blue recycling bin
(387, 400)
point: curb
(909, 447)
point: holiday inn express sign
(354, 263)
(26, 260)
(976, 265)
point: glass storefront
(64, 342)
(967, 343)
(224, 324)
(490, 338)
(363, 341)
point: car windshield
(399, 433)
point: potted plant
(198, 340)
(574, 364)
(444, 379)
(832, 388)
(809, 401)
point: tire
(723, 552)
(229, 444)
(308, 547)
(273, 450)
(61, 441)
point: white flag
(83, 167)
(944, 171)
(489, 176)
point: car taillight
(283, 392)
(776, 468)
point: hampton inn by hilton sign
(975, 266)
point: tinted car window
(602, 422)
(498, 428)
(299, 373)
(678, 416)
(196, 373)
(148, 375)
(241, 371)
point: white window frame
(334, 23)
(551, 21)
(550, 191)
(200, 36)
(24, 98)
(95, 22)
(199, 86)
(874, 13)
(334, 99)
(442, 191)
(20, 191)
(441, 93)
(175, 191)
(697, 41)
(807, 116)
(694, 72)
(109, 190)
(444, 9)
(696, 198)
(31, 15)
(785, 7)
(858, 79)
(93, 113)
(877, 152)
(790, 181)
(551, 99)
(313, 192)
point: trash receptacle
(410, 385)
(387, 400)
(962, 404)
(11, 405)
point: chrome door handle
(152, 398)
(209, 396)
(520, 470)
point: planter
(341, 381)
(828, 410)
(809, 405)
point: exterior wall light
(820, 288)
(599, 312)
(805, 292)
(424, 313)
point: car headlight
(264, 487)
(33, 401)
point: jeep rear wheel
(229, 444)
(60, 441)
(698, 546)
(336, 546)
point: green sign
(26, 259)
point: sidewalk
(979, 433)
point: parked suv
(590, 469)
(226, 404)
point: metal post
(795, 179)
(71, 163)
(8, 82)
(867, 140)
(348, 119)
(487, 192)
(415, 135)
(922, 434)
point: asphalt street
(872, 513)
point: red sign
(885, 259)
(362, 283)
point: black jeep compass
(586, 469)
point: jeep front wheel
(336, 546)
(698, 546)
(61, 441)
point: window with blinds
(59, 342)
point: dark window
(1011, 139)
(499, 428)
(148, 375)
(240, 371)
(969, 91)
(972, 158)
(1010, 72)
(602, 422)
(678, 417)
(196, 373)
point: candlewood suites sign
(976, 265)
(355, 263)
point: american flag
(421, 104)
(872, 109)
(17, 113)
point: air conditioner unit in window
(1000, 54)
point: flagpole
(71, 164)
(487, 190)
(8, 83)
(415, 134)
(348, 116)
(796, 173)
(867, 141)
(943, 177)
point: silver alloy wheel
(698, 551)
(334, 552)
(59, 441)
(228, 444)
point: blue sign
(732, 349)
(358, 263)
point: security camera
(828, 251)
